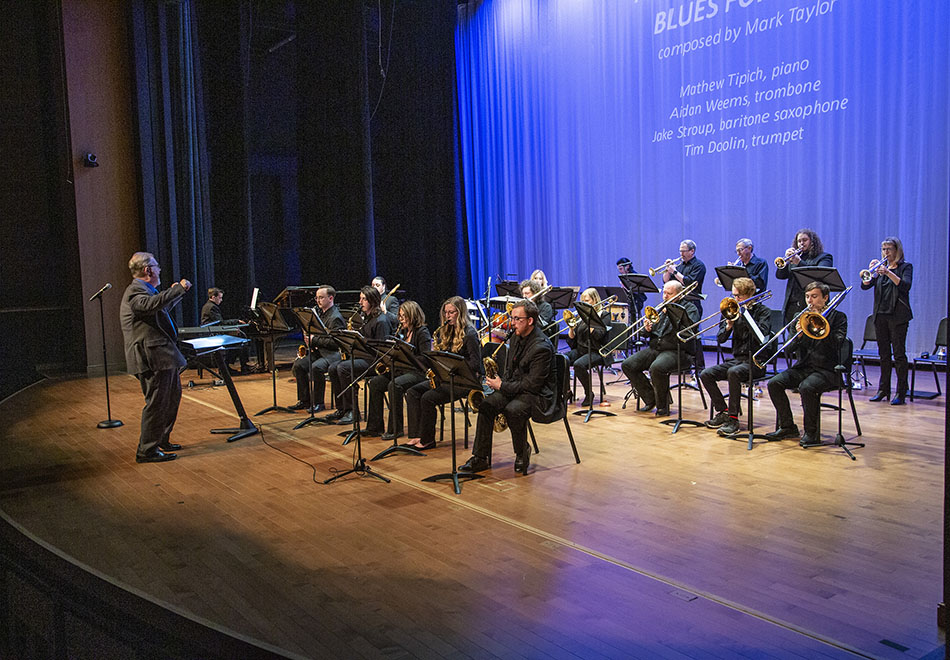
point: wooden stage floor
(654, 546)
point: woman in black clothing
(810, 252)
(580, 338)
(455, 335)
(891, 281)
(412, 330)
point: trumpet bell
(780, 262)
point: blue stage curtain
(560, 102)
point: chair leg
(534, 441)
(570, 436)
(854, 413)
(913, 378)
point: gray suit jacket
(150, 335)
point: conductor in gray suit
(151, 353)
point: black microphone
(106, 287)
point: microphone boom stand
(107, 423)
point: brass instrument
(571, 319)
(651, 314)
(381, 369)
(781, 262)
(869, 273)
(349, 326)
(814, 325)
(738, 262)
(382, 302)
(475, 397)
(664, 265)
(729, 308)
(433, 380)
(302, 351)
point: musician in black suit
(891, 281)
(736, 370)
(660, 356)
(390, 305)
(454, 335)
(812, 373)
(412, 330)
(585, 343)
(757, 267)
(211, 313)
(376, 325)
(323, 354)
(690, 270)
(526, 384)
(810, 252)
(152, 355)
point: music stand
(351, 341)
(804, 275)
(454, 369)
(677, 313)
(726, 275)
(401, 357)
(311, 324)
(635, 283)
(590, 316)
(508, 288)
(273, 323)
(561, 297)
(750, 422)
(218, 344)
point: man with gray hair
(151, 353)
(756, 266)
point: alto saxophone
(475, 397)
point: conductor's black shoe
(729, 428)
(662, 412)
(300, 405)
(475, 464)
(169, 446)
(158, 456)
(809, 441)
(783, 433)
(898, 400)
(646, 406)
(718, 420)
(880, 396)
(523, 460)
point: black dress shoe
(300, 405)
(157, 457)
(783, 433)
(370, 433)
(523, 460)
(662, 412)
(169, 446)
(334, 416)
(646, 407)
(588, 400)
(898, 400)
(347, 418)
(391, 436)
(318, 408)
(880, 396)
(475, 464)
(809, 441)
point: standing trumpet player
(891, 278)
(527, 384)
(806, 250)
(690, 270)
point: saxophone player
(323, 354)
(528, 383)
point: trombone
(729, 308)
(781, 262)
(664, 265)
(869, 273)
(814, 325)
(571, 319)
(651, 314)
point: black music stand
(273, 323)
(218, 344)
(561, 297)
(590, 316)
(311, 324)
(804, 275)
(750, 422)
(454, 369)
(726, 275)
(634, 283)
(508, 288)
(351, 341)
(677, 313)
(401, 356)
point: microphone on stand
(106, 287)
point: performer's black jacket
(758, 272)
(794, 293)
(822, 353)
(741, 332)
(421, 343)
(321, 343)
(529, 368)
(663, 335)
(583, 337)
(694, 271)
(891, 299)
(471, 349)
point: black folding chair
(559, 409)
(933, 360)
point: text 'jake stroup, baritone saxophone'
(475, 397)
(814, 325)
(651, 314)
(729, 308)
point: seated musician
(736, 369)
(538, 276)
(455, 335)
(585, 343)
(413, 330)
(376, 325)
(660, 356)
(211, 313)
(527, 384)
(812, 373)
(323, 354)
(390, 305)
(757, 267)
(530, 290)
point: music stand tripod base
(109, 424)
(396, 449)
(455, 476)
(360, 469)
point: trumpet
(869, 273)
(738, 262)
(664, 265)
(814, 325)
(651, 314)
(781, 262)
(475, 397)
(729, 308)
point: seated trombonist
(530, 290)
(323, 353)
(455, 335)
(526, 384)
(412, 330)
(376, 325)
(585, 343)
(660, 356)
(736, 370)
(812, 373)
